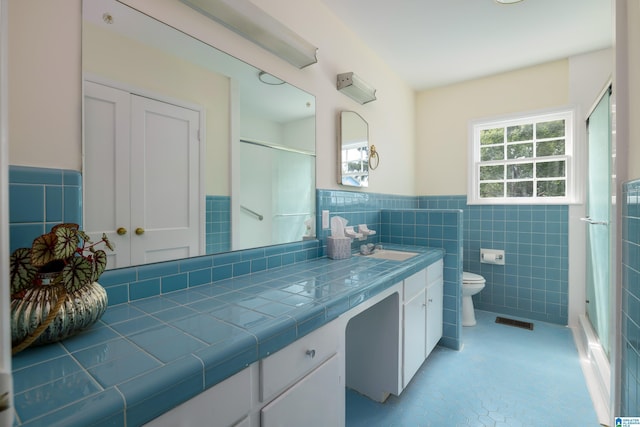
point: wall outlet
(325, 220)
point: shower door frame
(596, 226)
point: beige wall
(633, 51)
(45, 81)
(443, 116)
(159, 74)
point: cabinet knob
(311, 353)
(430, 299)
(139, 231)
(121, 231)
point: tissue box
(338, 247)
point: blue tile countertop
(146, 357)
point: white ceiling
(433, 43)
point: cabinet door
(315, 400)
(435, 293)
(106, 169)
(414, 336)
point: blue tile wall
(40, 198)
(218, 224)
(534, 282)
(358, 208)
(630, 352)
(437, 228)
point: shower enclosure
(598, 220)
(276, 194)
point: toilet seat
(472, 278)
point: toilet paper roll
(490, 258)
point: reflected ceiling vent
(356, 88)
(254, 24)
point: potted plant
(54, 289)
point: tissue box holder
(338, 247)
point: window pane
(553, 129)
(551, 188)
(491, 172)
(491, 189)
(492, 136)
(520, 133)
(550, 148)
(492, 153)
(520, 151)
(519, 171)
(550, 169)
(520, 189)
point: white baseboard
(596, 369)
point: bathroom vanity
(271, 348)
(380, 343)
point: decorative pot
(80, 309)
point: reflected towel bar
(254, 213)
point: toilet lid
(471, 277)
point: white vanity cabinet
(414, 336)
(225, 404)
(422, 318)
(435, 301)
(303, 384)
(317, 400)
(388, 342)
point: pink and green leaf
(77, 273)
(22, 271)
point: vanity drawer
(288, 365)
(414, 284)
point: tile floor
(503, 377)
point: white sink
(391, 254)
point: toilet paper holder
(492, 256)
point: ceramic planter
(80, 309)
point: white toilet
(471, 285)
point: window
(525, 160)
(355, 164)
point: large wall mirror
(187, 150)
(353, 147)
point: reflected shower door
(276, 194)
(598, 219)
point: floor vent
(516, 323)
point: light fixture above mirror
(356, 88)
(252, 23)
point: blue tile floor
(504, 377)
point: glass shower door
(598, 219)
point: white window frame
(474, 162)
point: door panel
(598, 219)
(106, 168)
(414, 335)
(165, 186)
